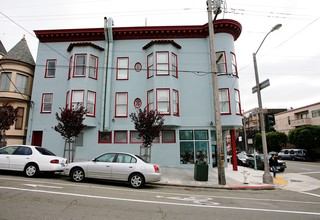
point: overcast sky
(289, 58)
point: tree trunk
(69, 149)
(145, 152)
(3, 138)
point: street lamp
(267, 178)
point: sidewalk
(234, 179)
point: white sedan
(30, 159)
(115, 166)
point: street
(56, 197)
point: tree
(276, 140)
(149, 125)
(70, 124)
(307, 137)
(8, 115)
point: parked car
(241, 158)
(260, 162)
(293, 154)
(30, 159)
(117, 166)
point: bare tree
(70, 124)
(149, 125)
(8, 115)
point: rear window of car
(142, 159)
(44, 151)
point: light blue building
(111, 71)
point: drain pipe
(106, 86)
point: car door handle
(130, 167)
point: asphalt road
(57, 197)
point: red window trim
(132, 141)
(75, 65)
(100, 141)
(115, 137)
(235, 60)
(42, 103)
(148, 69)
(94, 103)
(178, 103)
(176, 58)
(148, 103)
(117, 73)
(225, 62)
(97, 68)
(55, 68)
(237, 113)
(164, 141)
(71, 100)
(226, 113)
(169, 107)
(168, 63)
(115, 105)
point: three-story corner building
(111, 71)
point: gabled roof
(2, 49)
(20, 52)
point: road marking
(163, 203)
(197, 200)
(280, 180)
(43, 186)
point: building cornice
(145, 32)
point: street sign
(262, 85)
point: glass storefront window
(187, 152)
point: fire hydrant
(246, 174)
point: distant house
(111, 71)
(294, 118)
(16, 78)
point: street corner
(280, 181)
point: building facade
(16, 79)
(294, 118)
(112, 71)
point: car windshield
(44, 151)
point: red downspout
(234, 150)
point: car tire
(77, 174)
(31, 170)
(136, 180)
(281, 170)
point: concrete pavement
(235, 179)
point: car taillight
(156, 168)
(54, 161)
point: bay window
(150, 64)
(174, 65)
(77, 99)
(221, 63)
(21, 84)
(234, 64)
(80, 65)
(93, 67)
(150, 102)
(237, 100)
(175, 100)
(91, 103)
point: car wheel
(77, 174)
(281, 170)
(136, 180)
(31, 170)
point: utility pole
(217, 116)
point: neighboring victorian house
(16, 77)
(111, 71)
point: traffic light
(270, 122)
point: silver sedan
(115, 166)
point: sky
(289, 57)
